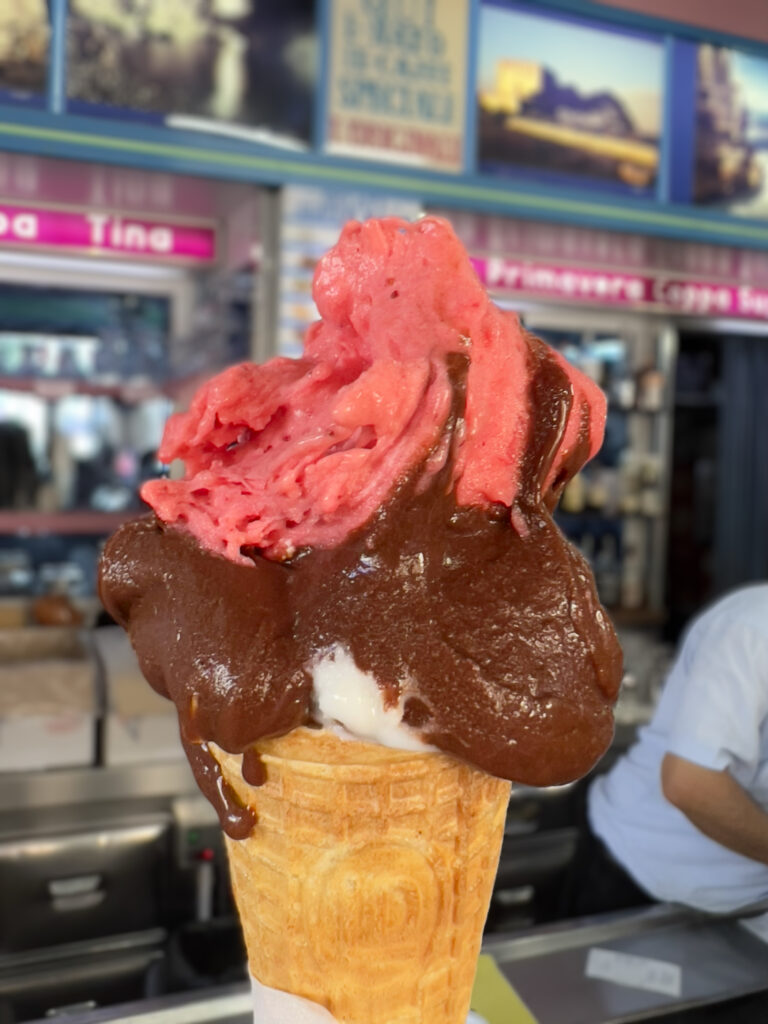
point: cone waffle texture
(365, 883)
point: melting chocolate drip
(236, 819)
(492, 635)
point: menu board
(397, 81)
(195, 65)
(565, 99)
(731, 158)
(24, 37)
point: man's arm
(717, 805)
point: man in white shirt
(683, 815)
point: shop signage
(535, 241)
(96, 231)
(604, 287)
(397, 80)
(628, 289)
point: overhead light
(95, 267)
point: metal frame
(100, 275)
(33, 791)
(651, 23)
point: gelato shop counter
(658, 963)
(662, 963)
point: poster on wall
(397, 81)
(24, 38)
(561, 100)
(731, 162)
(240, 67)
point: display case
(616, 509)
(82, 407)
(93, 358)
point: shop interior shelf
(59, 387)
(77, 521)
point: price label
(635, 971)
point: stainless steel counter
(632, 966)
(715, 959)
(230, 1005)
(77, 786)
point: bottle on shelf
(587, 546)
(55, 608)
(597, 490)
(630, 482)
(608, 571)
(603, 489)
(633, 567)
(650, 479)
(623, 391)
(651, 385)
(574, 499)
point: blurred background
(170, 172)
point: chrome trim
(32, 790)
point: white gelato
(347, 697)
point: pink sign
(591, 247)
(612, 288)
(602, 286)
(97, 231)
(707, 298)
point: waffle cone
(365, 883)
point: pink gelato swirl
(297, 453)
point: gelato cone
(365, 883)
(362, 544)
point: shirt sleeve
(723, 698)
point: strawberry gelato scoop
(363, 537)
(299, 453)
